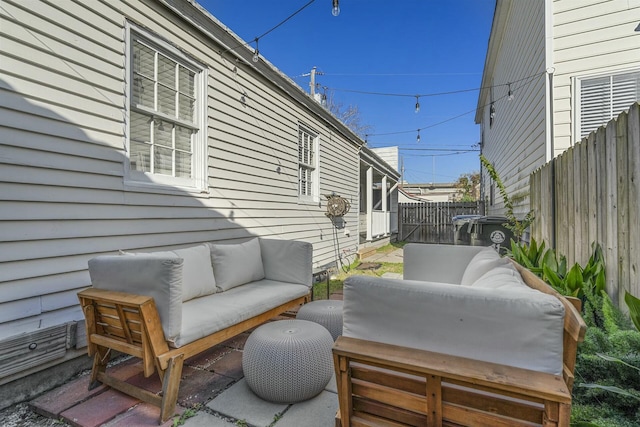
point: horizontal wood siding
(515, 143)
(62, 178)
(590, 37)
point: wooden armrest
(495, 376)
(114, 297)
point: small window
(307, 164)
(600, 99)
(167, 131)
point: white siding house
(140, 125)
(569, 65)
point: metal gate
(430, 222)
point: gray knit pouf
(288, 361)
(327, 313)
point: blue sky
(403, 47)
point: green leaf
(552, 278)
(634, 308)
(584, 424)
(601, 283)
(574, 281)
(616, 360)
(611, 389)
(533, 251)
(550, 260)
(562, 266)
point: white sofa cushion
(159, 277)
(502, 277)
(197, 272)
(514, 327)
(204, 316)
(236, 264)
(484, 261)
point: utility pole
(312, 82)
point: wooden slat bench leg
(100, 360)
(170, 386)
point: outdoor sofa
(165, 307)
(465, 339)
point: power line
(270, 30)
(530, 79)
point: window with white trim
(600, 99)
(307, 164)
(167, 119)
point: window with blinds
(603, 98)
(166, 134)
(307, 163)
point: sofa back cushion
(480, 264)
(287, 261)
(236, 264)
(197, 272)
(437, 263)
(515, 327)
(159, 277)
(503, 277)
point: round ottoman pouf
(288, 361)
(327, 313)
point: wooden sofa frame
(130, 324)
(388, 385)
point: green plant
(188, 413)
(514, 224)
(241, 423)
(608, 360)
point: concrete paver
(204, 419)
(239, 402)
(317, 412)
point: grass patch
(337, 280)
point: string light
(256, 53)
(510, 94)
(418, 137)
(492, 111)
(335, 11)
(417, 104)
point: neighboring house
(378, 220)
(554, 71)
(433, 192)
(143, 125)
(404, 197)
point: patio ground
(213, 393)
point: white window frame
(577, 104)
(314, 167)
(135, 179)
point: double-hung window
(600, 99)
(308, 187)
(167, 121)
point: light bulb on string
(335, 11)
(417, 104)
(418, 137)
(510, 94)
(256, 52)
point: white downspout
(369, 203)
(549, 67)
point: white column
(369, 203)
(385, 208)
(384, 193)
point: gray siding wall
(63, 196)
(590, 37)
(515, 143)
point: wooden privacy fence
(430, 222)
(591, 193)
